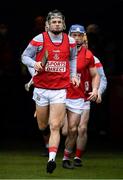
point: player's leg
(82, 136)
(65, 127)
(45, 134)
(56, 118)
(73, 117)
(73, 121)
(42, 112)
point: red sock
(53, 149)
(67, 154)
(79, 153)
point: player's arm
(103, 79)
(29, 55)
(73, 62)
(103, 84)
(95, 83)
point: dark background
(17, 106)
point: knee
(82, 130)
(42, 127)
(54, 127)
(42, 124)
(73, 130)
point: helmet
(53, 14)
(77, 28)
(56, 13)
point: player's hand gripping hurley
(42, 63)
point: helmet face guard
(56, 14)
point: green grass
(28, 164)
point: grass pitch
(29, 164)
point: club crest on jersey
(56, 56)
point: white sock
(52, 156)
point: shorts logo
(38, 97)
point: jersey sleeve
(28, 57)
(103, 79)
(73, 57)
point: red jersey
(85, 60)
(56, 73)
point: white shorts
(75, 105)
(86, 105)
(44, 97)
